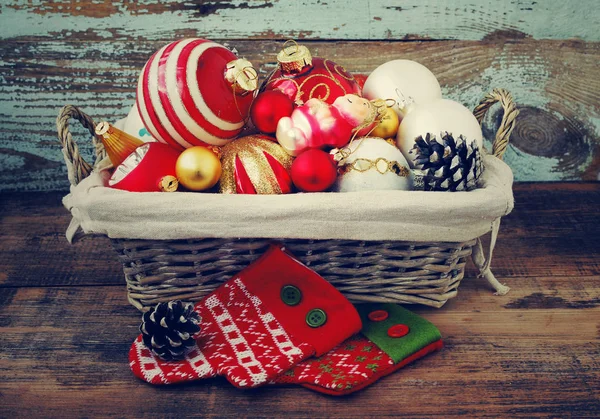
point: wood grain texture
(64, 354)
(553, 223)
(66, 327)
(34, 250)
(555, 83)
(311, 19)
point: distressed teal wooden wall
(89, 53)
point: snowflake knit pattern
(391, 338)
(247, 335)
(350, 364)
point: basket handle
(508, 119)
(77, 168)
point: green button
(316, 318)
(291, 295)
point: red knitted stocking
(272, 315)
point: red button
(378, 315)
(398, 330)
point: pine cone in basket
(448, 164)
(168, 329)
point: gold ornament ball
(388, 124)
(198, 168)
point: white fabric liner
(366, 215)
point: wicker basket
(364, 271)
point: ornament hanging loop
(250, 73)
(381, 105)
(242, 77)
(102, 128)
(288, 43)
(405, 104)
(293, 59)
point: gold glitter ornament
(255, 164)
(198, 168)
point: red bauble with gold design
(255, 164)
(302, 77)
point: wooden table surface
(66, 328)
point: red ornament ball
(268, 108)
(313, 171)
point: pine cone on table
(448, 164)
(168, 329)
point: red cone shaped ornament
(150, 168)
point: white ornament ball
(373, 154)
(407, 82)
(133, 125)
(437, 118)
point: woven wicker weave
(364, 271)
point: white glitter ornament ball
(373, 164)
(436, 118)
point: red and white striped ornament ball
(195, 92)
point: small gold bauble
(198, 168)
(388, 124)
(168, 184)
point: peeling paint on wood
(557, 134)
(314, 19)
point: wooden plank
(34, 250)
(311, 19)
(555, 83)
(64, 353)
